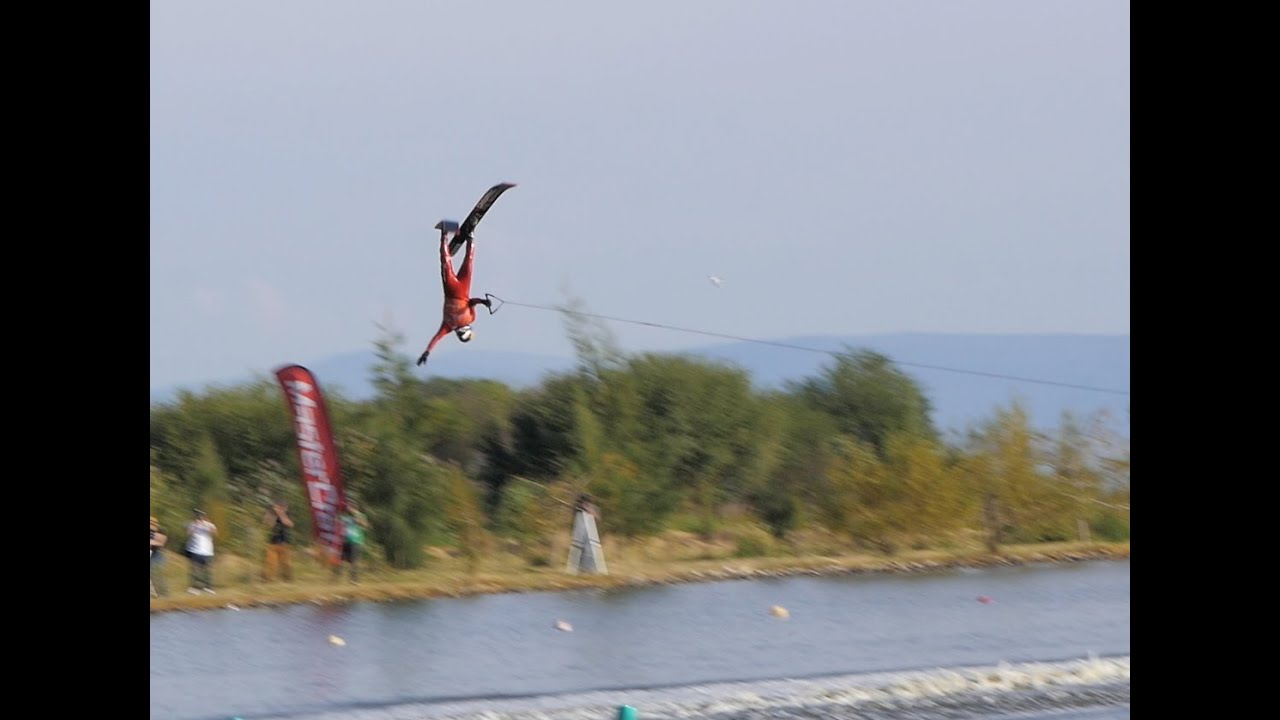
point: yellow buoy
(779, 612)
(335, 640)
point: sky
(842, 167)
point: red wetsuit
(459, 306)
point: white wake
(943, 693)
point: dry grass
(671, 558)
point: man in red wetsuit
(459, 306)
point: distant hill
(962, 398)
(350, 372)
(959, 399)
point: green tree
(465, 518)
(929, 500)
(869, 398)
(1079, 483)
(703, 434)
(633, 502)
(1016, 478)
(401, 489)
(529, 516)
(856, 495)
(594, 345)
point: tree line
(661, 441)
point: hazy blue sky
(845, 167)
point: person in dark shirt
(158, 539)
(278, 525)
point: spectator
(200, 534)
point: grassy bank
(672, 558)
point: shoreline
(463, 585)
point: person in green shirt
(354, 525)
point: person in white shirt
(200, 534)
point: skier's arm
(444, 330)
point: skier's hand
(422, 359)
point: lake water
(504, 650)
